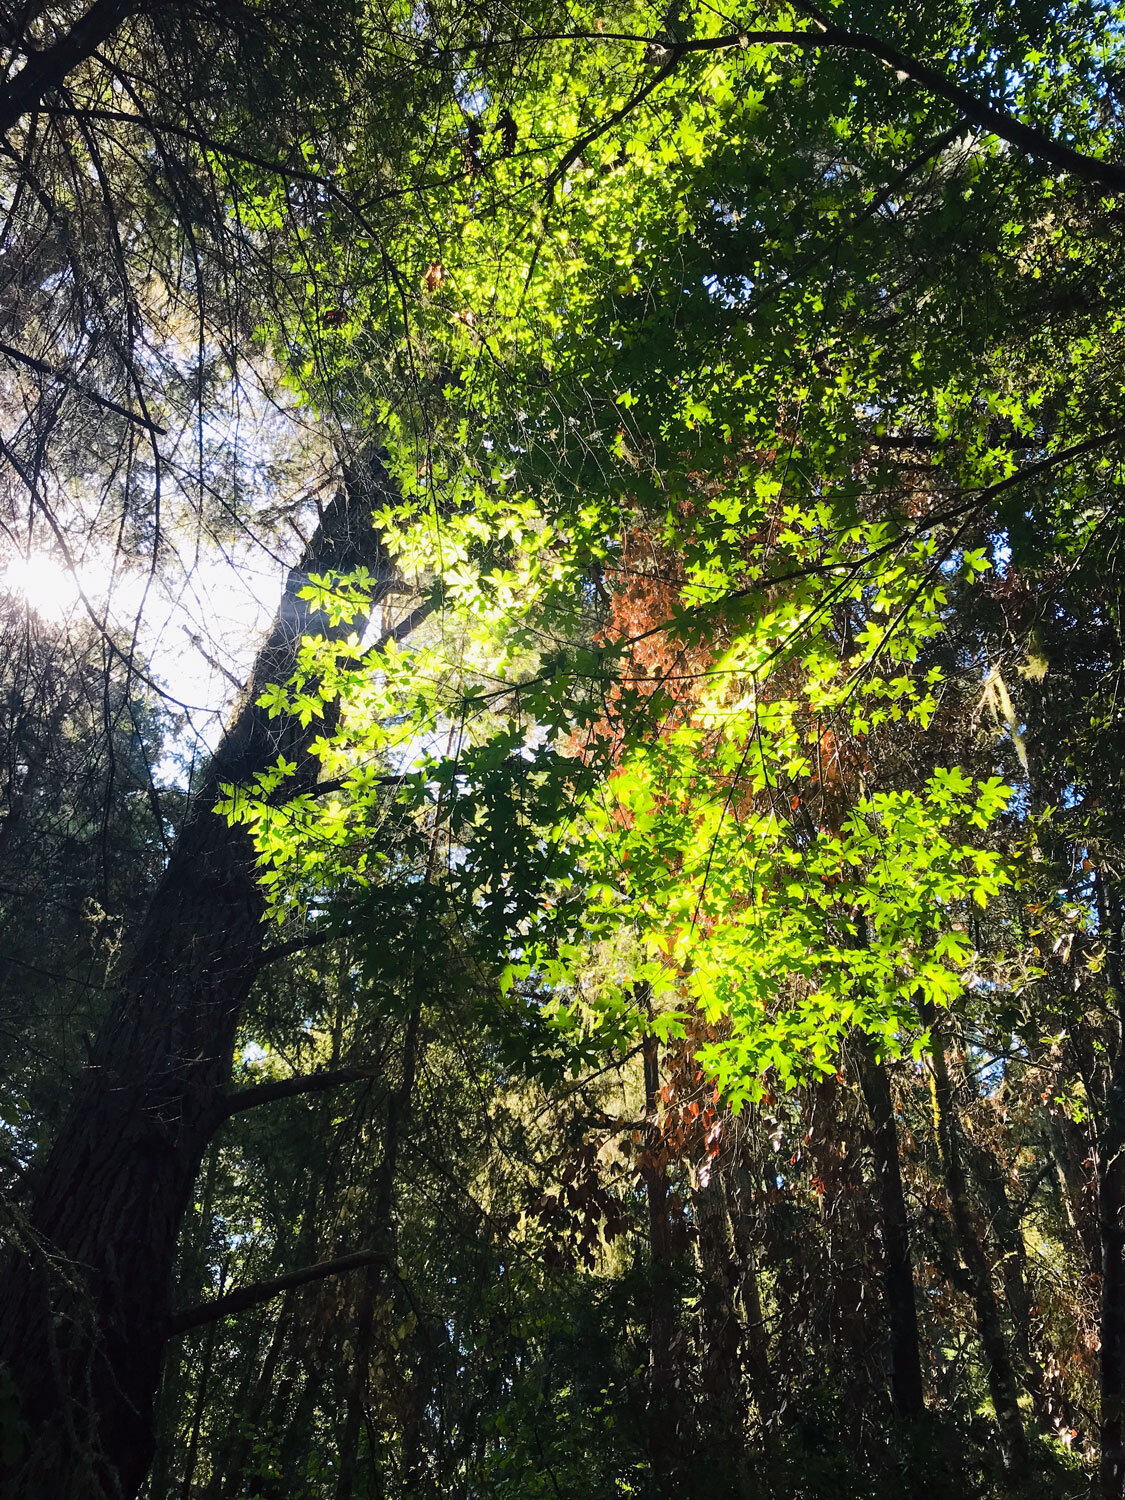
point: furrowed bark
(84, 1316)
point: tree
(109, 1199)
(744, 384)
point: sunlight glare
(46, 586)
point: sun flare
(47, 586)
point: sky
(195, 622)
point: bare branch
(53, 373)
(289, 1088)
(279, 951)
(246, 1297)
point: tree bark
(242, 1298)
(248, 1409)
(46, 70)
(663, 1425)
(755, 1337)
(1110, 1167)
(84, 1316)
(1001, 1375)
(1006, 1226)
(301, 1083)
(898, 1271)
(722, 1407)
(398, 1114)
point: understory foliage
(687, 1055)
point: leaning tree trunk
(84, 1311)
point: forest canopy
(562, 843)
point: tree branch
(289, 1088)
(246, 1297)
(41, 367)
(49, 68)
(665, 54)
(278, 951)
(408, 624)
(998, 122)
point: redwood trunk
(84, 1310)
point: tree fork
(85, 1317)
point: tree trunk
(755, 1337)
(1006, 1226)
(1110, 1159)
(1111, 1204)
(398, 1113)
(84, 1314)
(663, 1427)
(898, 1273)
(248, 1412)
(721, 1363)
(1001, 1376)
(1067, 1144)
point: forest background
(618, 989)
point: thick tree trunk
(84, 1315)
(898, 1273)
